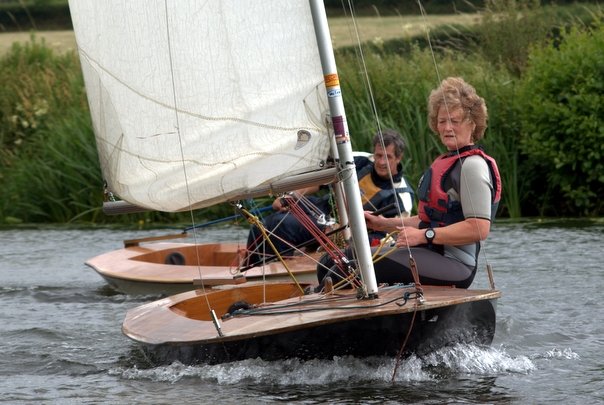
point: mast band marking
(332, 80)
(339, 129)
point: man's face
(385, 160)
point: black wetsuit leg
(283, 226)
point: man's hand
(281, 205)
(373, 221)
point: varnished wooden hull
(312, 326)
(156, 269)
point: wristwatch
(430, 234)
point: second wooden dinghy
(166, 268)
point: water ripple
(61, 339)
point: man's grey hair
(391, 137)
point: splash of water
(458, 359)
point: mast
(358, 228)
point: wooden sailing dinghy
(287, 324)
(195, 103)
(163, 268)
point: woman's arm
(460, 233)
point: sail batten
(193, 103)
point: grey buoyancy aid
(435, 207)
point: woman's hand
(409, 236)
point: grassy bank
(59, 41)
(376, 29)
(50, 172)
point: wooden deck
(186, 317)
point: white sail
(197, 102)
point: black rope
(266, 311)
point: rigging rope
(322, 303)
(374, 111)
(255, 221)
(326, 243)
(182, 153)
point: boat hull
(442, 320)
(163, 268)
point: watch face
(430, 234)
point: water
(61, 338)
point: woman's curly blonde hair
(455, 93)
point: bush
(563, 111)
(509, 28)
(48, 156)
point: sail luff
(346, 160)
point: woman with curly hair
(458, 198)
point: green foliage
(40, 91)
(545, 116)
(400, 87)
(47, 183)
(37, 84)
(562, 98)
(503, 137)
(509, 28)
(389, 7)
(23, 15)
(48, 154)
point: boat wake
(454, 360)
(51, 294)
(556, 353)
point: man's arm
(278, 203)
(381, 223)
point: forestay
(194, 103)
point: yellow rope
(253, 220)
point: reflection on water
(62, 341)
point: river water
(61, 339)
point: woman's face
(454, 129)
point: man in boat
(458, 198)
(378, 192)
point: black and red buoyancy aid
(435, 207)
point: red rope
(324, 241)
(400, 352)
